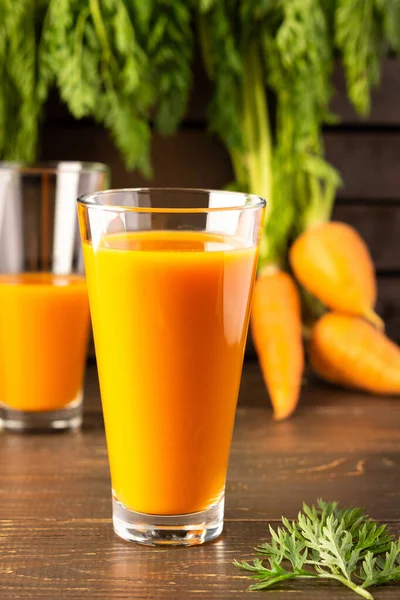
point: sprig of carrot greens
(282, 49)
(327, 542)
(118, 61)
(19, 103)
(364, 31)
(127, 62)
(92, 52)
(123, 63)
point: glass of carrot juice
(170, 274)
(44, 311)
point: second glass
(170, 275)
(44, 312)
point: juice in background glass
(170, 274)
(44, 308)
(44, 326)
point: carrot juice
(170, 312)
(44, 324)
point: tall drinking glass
(170, 274)
(44, 311)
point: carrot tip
(283, 415)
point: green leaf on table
(327, 542)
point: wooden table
(56, 537)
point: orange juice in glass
(44, 309)
(170, 275)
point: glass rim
(52, 167)
(86, 200)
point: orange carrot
(276, 329)
(348, 350)
(332, 262)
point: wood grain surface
(56, 538)
(379, 223)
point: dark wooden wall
(367, 153)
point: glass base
(69, 417)
(175, 530)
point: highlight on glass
(170, 274)
(44, 316)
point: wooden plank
(385, 106)
(340, 445)
(189, 159)
(368, 162)
(45, 560)
(379, 225)
(388, 305)
(275, 471)
(56, 536)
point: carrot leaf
(327, 542)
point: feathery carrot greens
(121, 62)
(128, 63)
(284, 47)
(287, 49)
(328, 542)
